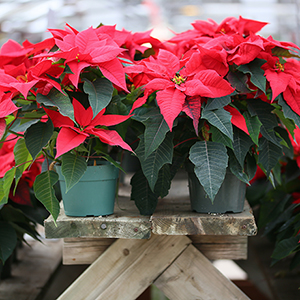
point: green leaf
(143, 114)
(19, 126)
(236, 168)
(136, 93)
(112, 161)
(116, 106)
(269, 154)
(59, 100)
(241, 145)
(153, 163)
(155, 128)
(44, 191)
(72, 167)
(5, 185)
(145, 199)
(219, 137)
(256, 72)
(100, 93)
(210, 160)
(272, 207)
(268, 120)
(163, 182)
(216, 103)
(276, 171)
(278, 51)
(37, 136)
(282, 218)
(221, 119)
(253, 125)
(8, 240)
(155, 132)
(287, 146)
(238, 80)
(288, 123)
(251, 165)
(287, 111)
(285, 247)
(22, 158)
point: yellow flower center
(178, 79)
(22, 78)
(279, 66)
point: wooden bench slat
(126, 269)
(87, 250)
(192, 276)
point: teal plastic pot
(229, 199)
(94, 194)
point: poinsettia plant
(22, 212)
(219, 95)
(66, 100)
(277, 207)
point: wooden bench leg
(126, 268)
(192, 276)
(175, 266)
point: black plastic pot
(229, 199)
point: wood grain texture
(221, 247)
(192, 276)
(84, 251)
(127, 268)
(174, 217)
(126, 222)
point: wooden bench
(171, 249)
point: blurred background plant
(29, 19)
(21, 214)
(277, 208)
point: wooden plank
(84, 251)
(36, 264)
(192, 276)
(126, 268)
(174, 217)
(221, 247)
(126, 222)
(87, 250)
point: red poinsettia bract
(87, 48)
(179, 84)
(73, 134)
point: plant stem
(190, 139)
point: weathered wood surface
(127, 268)
(171, 217)
(87, 250)
(221, 247)
(192, 276)
(174, 217)
(81, 251)
(126, 222)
